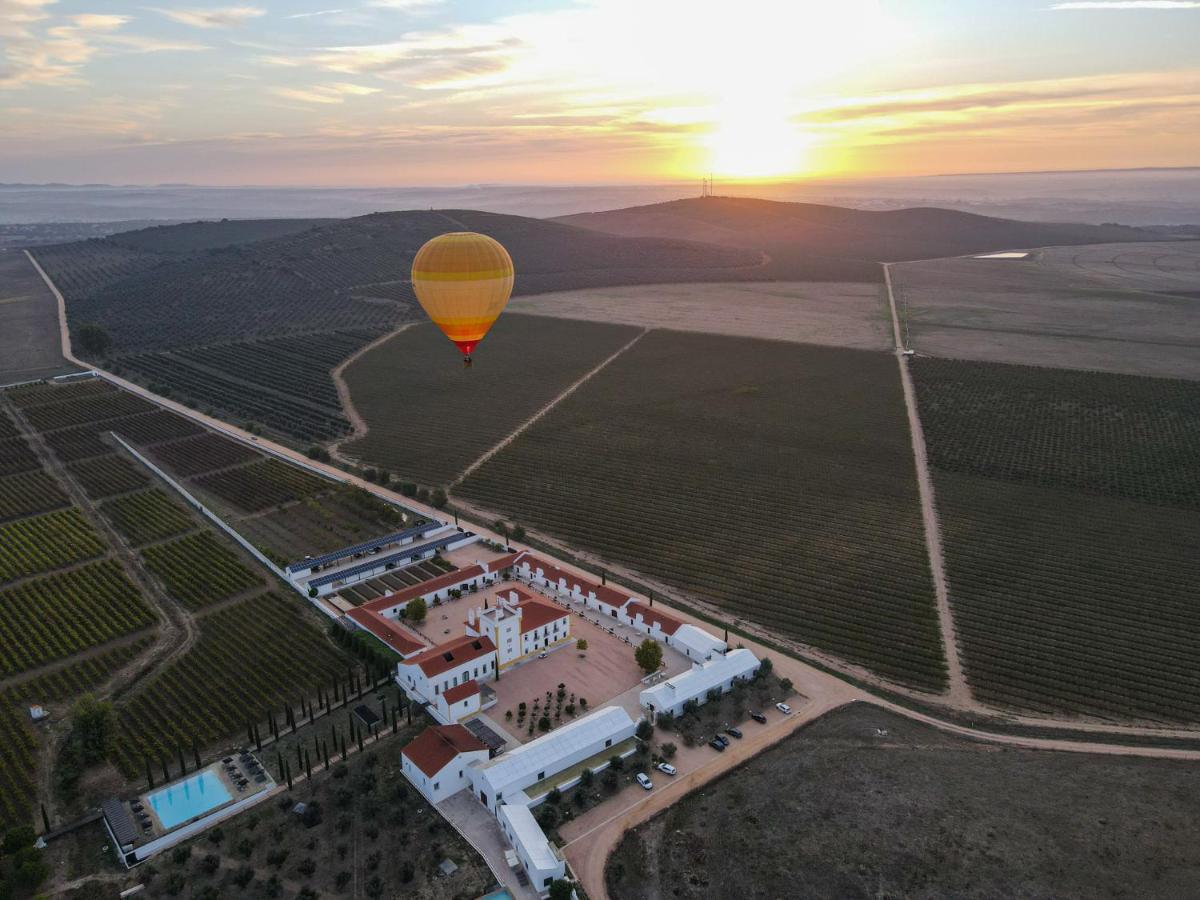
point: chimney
(471, 617)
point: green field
(200, 569)
(38, 544)
(28, 493)
(49, 618)
(262, 484)
(105, 476)
(20, 740)
(148, 516)
(1069, 507)
(428, 418)
(774, 480)
(251, 658)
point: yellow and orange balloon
(463, 281)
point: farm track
(959, 692)
(568, 391)
(358, 424)
(177, 629)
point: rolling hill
(149, 292)
(807, 241)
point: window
(436, 785)
(541, 775)
(608, 743)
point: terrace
(379, 564)
(162, 817)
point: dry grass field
(29, 337)
(865, 804)
(773, 480)
(1115, 307)
(840, 314)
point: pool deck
(229, 771)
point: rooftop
(435, 747)
(667, 623)
(530, 837)
(462, 691)
(364, 547)
(700, 679)
(404, 554)
(451, 654)
(523, 763)
(536, 613)
(400, 640)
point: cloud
(319, 12)
(405, 5)
(1128, 4)
(17, 15)
(325, 93)
(219, 17)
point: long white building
(718, 673)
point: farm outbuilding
(718, 673)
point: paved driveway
(482, 831)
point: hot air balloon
(463, 281)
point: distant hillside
(189, 237)
(150, 293)
(809, 241)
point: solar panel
(395, 537)
(406, 554)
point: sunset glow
(439, 91)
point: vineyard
(105, 476)
(30, 546)
(28, 493)
(251, 658)
(773, 480)
(1066, 602)
(262, 485)
(80, 269)
(446, 417)
(199, 570)
(202, 453)
(50, 618)
(72, 444)
(94, 408)
(147, 516)
(321, 524)
(1121, 435)
(45, 392)
(283, 383)
(1068, 502)
(16, 456)
(18, 740)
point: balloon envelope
(463, 281)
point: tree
(668, 750)
(438, 498)
(518, 533)
(561, 889)
(93, 340)
(555, 796)
(581, 645)
(415, 610)
(502, 528)
(586, 777)
(94, 727)
(645, 730)
(785, 685)
(544, 723)
(649, 655)
(765, 667)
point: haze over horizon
(440, 92)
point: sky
(451, 92)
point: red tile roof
(449, 580)
(667, 624)
(536, 613)
(403, 642)
(452, 654)
(554, 574)
(435, 747)
(464, 690)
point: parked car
(644, 780)
(758, 717)
(543, 655)
(721, 739)
(717, 745)
(666, 768)
(733, 732)
(784, 708)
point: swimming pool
(190, 798)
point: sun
(767, 145)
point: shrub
(645, 730)
(668, 751)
